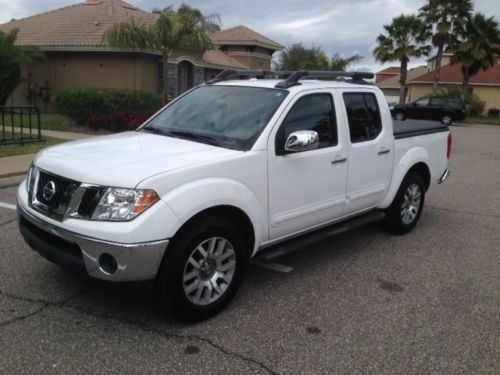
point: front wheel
(405, 210)
(399, 115)
(202, 269)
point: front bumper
(134, 261)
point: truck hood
(125, 159)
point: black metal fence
(20, 124)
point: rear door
(370, 150)
(307, 189)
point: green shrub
(80, 104)
(475, 106)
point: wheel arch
(415, 160)
(224, 198)
(234, 214)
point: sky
(344, 27)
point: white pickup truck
(231, 169)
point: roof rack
(259, 73)
(292, 77)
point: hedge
(85, 103)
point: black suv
(443, 108)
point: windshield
(226, 116)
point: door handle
(339, 160)
(384, 150)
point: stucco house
(391, 86)
(486, 84)
(78, 56)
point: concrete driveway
(364, 302)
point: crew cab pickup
(224, 173)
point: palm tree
(447, 18)
(172, 31)
(403, 39)
(479, 48)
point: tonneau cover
(406, 129)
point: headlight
(123, 204)
(32, 176)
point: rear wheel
(447, 119)
(405, 210)
(399, 115)
(202, 268)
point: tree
(210, 23)
(403, 39)
(478, 49)
(447, 18)
(172, 31)
(297, 56)
(12, 57)
(339, 63)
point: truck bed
(412, 128)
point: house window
(250, 49)
(223, 48)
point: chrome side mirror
(302, 140)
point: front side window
(311, 112)
(225, 116)
(363, 115)
(422, 102)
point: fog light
(108, 263)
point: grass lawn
(49, 121)
(482, 120)
(28, 148)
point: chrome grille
(61, 198)
(53, 194)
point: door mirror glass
(302, 140)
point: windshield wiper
(154, 130)
(194, 136)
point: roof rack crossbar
(229, 73)
(293, 79)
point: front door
(307, 189)
(419, 109)
(370, 151)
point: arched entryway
(184, 76)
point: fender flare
(183, 200)
(409, 160)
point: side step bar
(299, 243)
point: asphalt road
(363, 302)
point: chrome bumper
(134, 262)
(444, 176)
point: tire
(202, 268)
(399, 116)
(447, 119)
(404, 212)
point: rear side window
(457, 103)
(311, 112)
(438, 102)
(363, 115)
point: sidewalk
(18, 165)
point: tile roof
(452, 74)
(220, 59)
(390, 70)
(242, 35)
(78, 25)
(393, 82)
